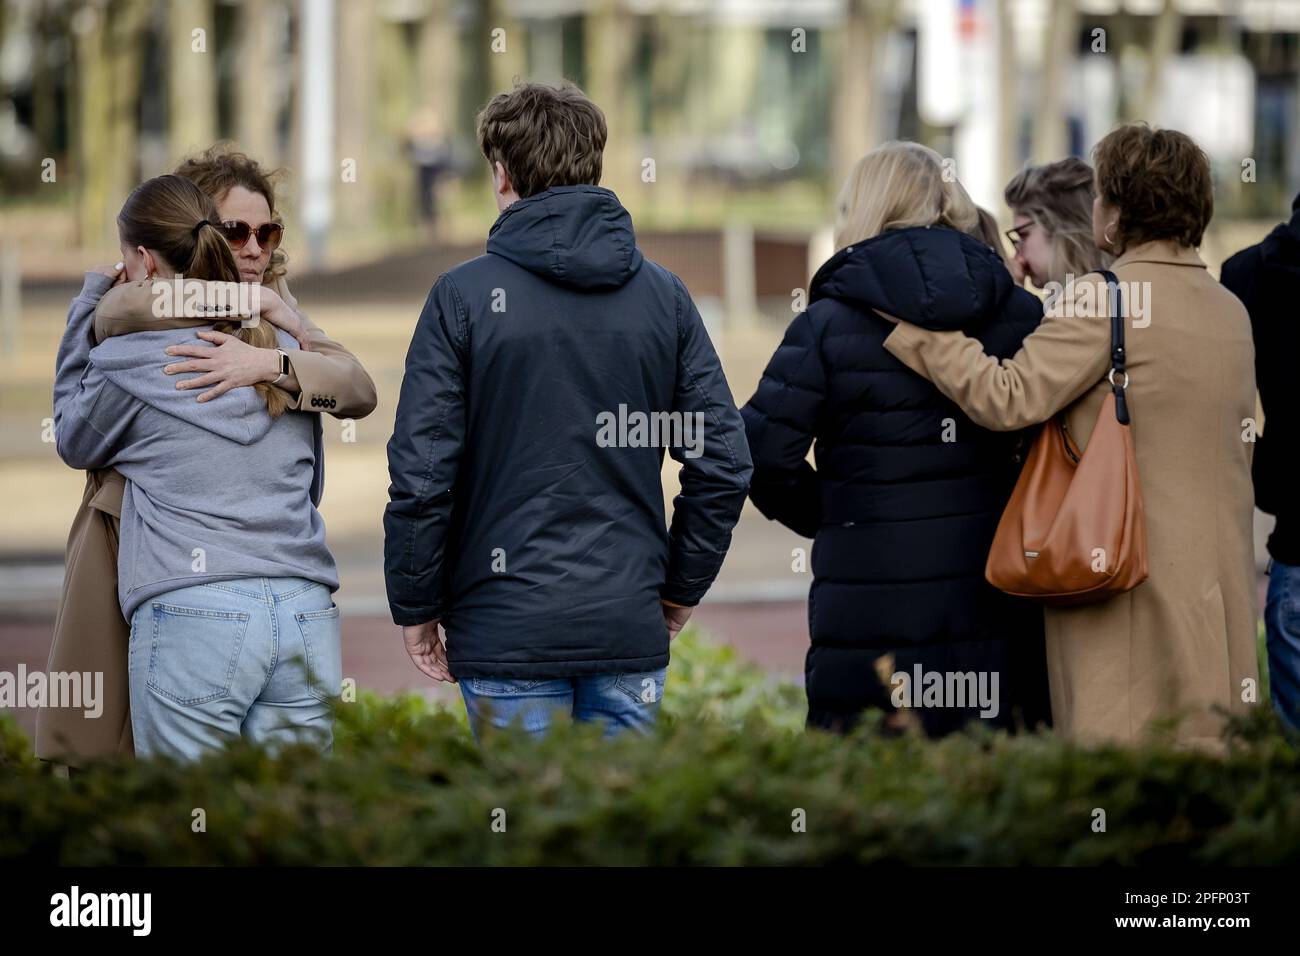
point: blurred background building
(749, 109)
(732, 124)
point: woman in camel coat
(1179, 650)
(90, 633)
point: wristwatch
(285, 368)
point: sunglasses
(238, 232)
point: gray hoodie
(215, 491)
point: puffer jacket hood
(580, 237)
(932, 276)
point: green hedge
(724, 780)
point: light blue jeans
(255, 657)
(623, 701)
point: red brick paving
(772, 635)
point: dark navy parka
(544, 552)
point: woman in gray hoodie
(223, 570)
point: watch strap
(284, 366)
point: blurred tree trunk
(394, 105)
(191, 77)
(438, 63)
(1049, 140)
(354, 113)
(108, 44)
(670, 73)
(1008, 126)
(1166, 34)
(260, 66)
(855, 116)
(507, 52)
(610, 36)
(45, 114)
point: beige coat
(1182, 644)
(90, 633)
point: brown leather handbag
(1074, 531)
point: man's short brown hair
(544, 136)
(1159, 180)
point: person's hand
(115, 272)
(276, 311)
(231, 364)
(427, 650)
(676, 618)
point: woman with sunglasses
(90, 633)
(224, 572)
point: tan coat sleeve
(330, 379)
(1063, 358)
(129, 308)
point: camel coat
(90, 633)
(1181, 646)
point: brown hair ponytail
(176, 220)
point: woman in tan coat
(90, 633)
(1178, 651)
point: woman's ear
(150, 265)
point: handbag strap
(1117, 370)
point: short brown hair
(544, 136)
(219, 169)
(1159, 180)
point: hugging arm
(714, 480)
(424, 458)
(780, 421)
(1056, 363)
(91, 414)
(328, 378)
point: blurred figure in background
(1266, 277)
(907, 491)
(1051, 212)
(431, 154)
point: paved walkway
(772, 634)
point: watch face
(284, 364)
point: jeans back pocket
(322, 643)
(195, 652)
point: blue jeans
(255, 657)
(1282, 635)
(624, 701)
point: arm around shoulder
(1057, 362)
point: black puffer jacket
(533, 531)
(1266, 278)
(907, 491)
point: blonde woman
(907, 491)
(1051, 231)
